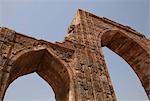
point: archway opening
(128, 47)
(29, 87)
(126, 83)
(46, 65)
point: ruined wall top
(125, 27)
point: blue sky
(49, 19)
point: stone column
(92, 78)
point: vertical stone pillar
(6, 44)
(3, 83)
(92, 78)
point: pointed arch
(47, 65)
(134, 53)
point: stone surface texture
(75, 68)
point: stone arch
(132, 51)
(47, 65)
